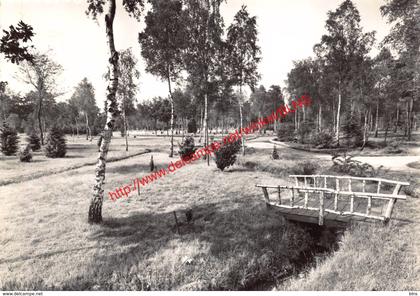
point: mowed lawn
(48, 244)
(80, 152)
(232, 242)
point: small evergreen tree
(226, 155)
(275, 154)
(34, 141)
(192, 126)
(56, 144)
(25, 155)
(9, 140)
(187, 147)
(152, 164)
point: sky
(288, 29)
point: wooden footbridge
(334, 200)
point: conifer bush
(187, 147)
(25, 155)
(34, 142)
(56, 143)
(152, 164)
(192, 126)
(275, 154)
(226, 155)
(9, 140)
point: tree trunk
(201, 125)
(397, 118)
(77, 128)
(171, 100)
(337, 135)
(386, 131)
(87, 126)
(125, 128)
(407, 119)
(411, 118)
(39, 117)
(377, 118)
(320, 118)
(206, 123)
(241, 120)
(365, 129)
(95, 208)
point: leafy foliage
(305, 168)
(56, 143)
(9, 140)
(394, 147)
(353, 131)
(243, 52)
(192, 126)
(303, 132)
(25, 155)
(323, 139)
(187, 147)
(285, 133)
(226, 155)
(347, 165)
(10, 43)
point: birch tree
(83, 100)
(343, 49)
(404, 15)
(243, 55)
(41, 73)
(127, 87)
(96, 8)
(163, 43)
(204, 25)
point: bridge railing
(316, 187)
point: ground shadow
(145, 234)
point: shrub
(323, 139)
(303, 132)
(394, 148)
(25, 155)
(152, 164)
(187, 147)
(192, 126)
(226, 155)
(34, 142)
(285, 132)
(9, 140)
(353, 131)
(56, 144)
(249, 150)
(305, 168)
(347, 165)
(275, 154)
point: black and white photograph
(209, 145)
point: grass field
(232, 242)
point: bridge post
(321, 208)
(391, 204)
(266, 197)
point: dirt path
(395, 163)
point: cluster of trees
(185, 42)
(354, 92)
